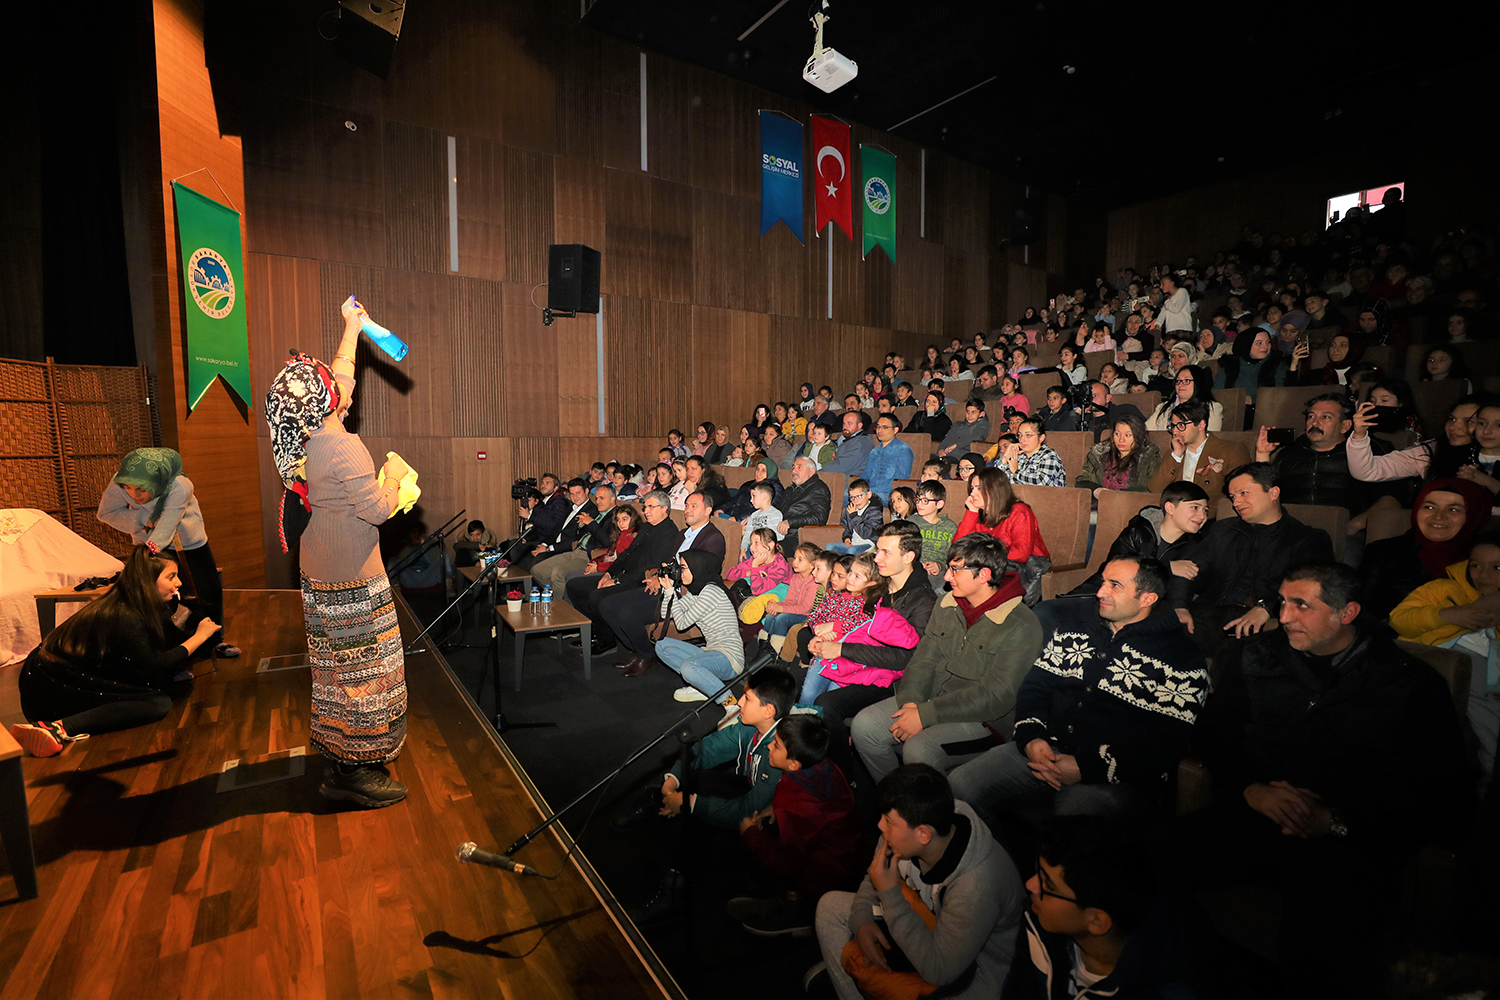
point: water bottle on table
(536, 601)
(547, 599)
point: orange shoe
(44, 739)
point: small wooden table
(510, 574)
(562, 618)
(47, 601)
(15, 821)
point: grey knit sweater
(715, 618)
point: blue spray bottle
(383, 338)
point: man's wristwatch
(1270, 605)
(1337, 827)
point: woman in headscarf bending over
(335, 498)
(152, 501)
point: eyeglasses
(1041, 887)
(652, 506)
(1187, 381)
(922, 500)
(1178, 425)
(858, 496)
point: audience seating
(1283, 406)
(737, 476)
(1333, 520)
(1116, 508)
(1034, 387)
(1481, 356)
(1062, 512)
(820, 535)
(1146, 402)
(1233, 401)
(1387, 522)
(1095, 361)
(1434, 400)
(1072, 447)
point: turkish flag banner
(832, 174)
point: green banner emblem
(878, 195)
(218, 340)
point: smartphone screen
(1281, 435)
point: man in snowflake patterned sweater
(1107, 711)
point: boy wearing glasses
(937, 530)
(1197, 456)
(861, 520)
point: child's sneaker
(731, 714)
(688, 693)
(44, 739)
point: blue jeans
(815, 684)
(780, 622)
(702, 668)
(846, 549)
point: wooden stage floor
(155, 885)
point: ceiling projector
(826, 69)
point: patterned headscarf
(153, 470)
(301, 396)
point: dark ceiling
(1159, 99)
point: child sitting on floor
(765, 574)
(810, 569)
(809, 835)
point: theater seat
(1062, 513)
(1283, 406)
(820, 535)
(1387, 522)
(1333, 520)
(1116, 508)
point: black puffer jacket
(1142, 538)
(1372, 730)
(1123, 703)
(804, 505)
(1243, 563)
(1321, 477)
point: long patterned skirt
(358, 670)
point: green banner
(879, 199)
(218, 340)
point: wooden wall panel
(314, 188)
(477, 354)
(965, 293)
(792, 271)
(528, 214)
(531, 366)
(416, 198)
(933, 226)
(576, 454)
(879, 288)
(848, 276)
(1025, 286)
(481, 207)
(577, 374)
(627, 234)
(919, 285)
(670, 89)
(533, 456)
(578, 131)
(648, 352)
(285, 313)
(483, 487)
(419, 390)
(578, 203)
(729, 272)
(730, 368)
(620, 79)
(671, 241)
(726, 111)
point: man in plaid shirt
(1031, 462)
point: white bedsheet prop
(38, 553)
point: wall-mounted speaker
(572, 278)
(367, 32)
(1026, 220)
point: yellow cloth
(1418, 616)
(408, 492)
(754, 609)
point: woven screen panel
(32, 482)
(77, 383)
(22, 380)
(116, 543)
(103, 429)
(26, 429)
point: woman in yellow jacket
(1461, 612)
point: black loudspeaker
(367, 32)
(1026, 221)
(572, 278)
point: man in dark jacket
(655, 543)
(1242, 560)
(1170, 534)
(546, 518)
(1334, 755)
(1059, 414)
(628, 619)
(806, 502)
(1314, 469)
(1099, 414)
(1107, 711)
(567, 533)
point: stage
(154, 883)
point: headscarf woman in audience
(109, 665)
(1344, 352)
(719, 450)
(968, 463)
(805, 396)
(1289, 333)
(1445, 517)
(755, 455)
(703, 439)
(1127, 461)
(1460, 612)
(1252, 364)
(1190, 382)
(1211, 344)
(933, 420)
(151, 501)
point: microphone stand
(760, 662)
(403, 564)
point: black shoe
(369, 786)
(665, 901)
(773, 917)
(601, 647)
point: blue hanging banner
(780, 173)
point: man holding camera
(629, 578)
(1098, 414)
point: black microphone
(470, 854)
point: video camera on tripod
(523, 488)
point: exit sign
(483, 456)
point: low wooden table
(47, 601)
(510, 574)
(530, 619)
(15, 821)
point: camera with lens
(672, 571)
(522, 488)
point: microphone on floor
(470, 854)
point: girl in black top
(108, 666)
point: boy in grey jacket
(942, 853)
